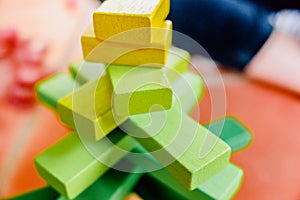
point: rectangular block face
(137, 90)
(117, 16)
(178, 61)
(185, 146)
(119, 50)
(113, 184)
(232, 131)
(53, 88)
(223, 185)
(69, 168)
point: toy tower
(133, 92)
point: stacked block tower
(130, 96)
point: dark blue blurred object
(231, 31)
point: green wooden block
(232, 131)
(69, 168)
(188, 90)
(45, 193)
(55, 87)
(83, 71)
(137, 90)
(189, 151)
(161, 185)
(178, 62)
(113, 185)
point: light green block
(55, 87)
(83, 71)
(178, 62)
(188, 89)
(113, 185)
(69, 168)
(189, 151)
(137, 90)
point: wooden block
(112, 52)
(222, 185)
(69, 168)
(89, 109)
(232, 131)
(181, 144)
(139, 90)
(117, 16)
(86, 71)
(99, 120)
(53, 88)
(178, 61)
(112, 185)
(188, 89)
(45, 193)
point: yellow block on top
(111, 52)
(117, 16)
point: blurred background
(45, 37)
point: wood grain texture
(115, 16)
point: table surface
(270, 163)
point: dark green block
(45, 193)
(161, 185)
(232, 131)
(113, 185)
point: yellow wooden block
(89, 108)
(112, 52)
(117, 16)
